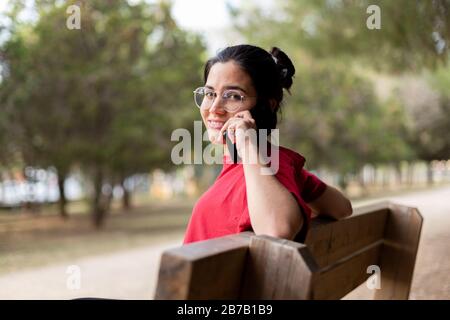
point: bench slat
(277, 269)
(203, 270)
(402, 236)
(330, 240)
(337, 280)
(332, 262)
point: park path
(128, 274)
(432, 271)
(132, 274)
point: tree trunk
(126, 198)
(108, 200)
(342, 181)
(430, 177)
(31, 203)
(410, 178)
(98, 206)
(62, 196)
(375, 177)
(385, 176)
(399, 175)
(362, 183)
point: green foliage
(413, 34)
(431, 122)
(440, 81)
(105, 97)
(335, 119)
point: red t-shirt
(223, 210)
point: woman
(243, 91)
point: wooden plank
(399, 252)
(174, 278)
(202, 249)
(204, 270)
(340, 278)
(332, 262)
(330, 240)
(277, 269)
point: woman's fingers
(232, 127)
(244, 115)
(239, 129)
(242, 120)
(225, 127)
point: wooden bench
(332, 262)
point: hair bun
(285, 67)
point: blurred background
(90, 92)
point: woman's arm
(273, 210)
(332, 203)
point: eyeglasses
(232, 100)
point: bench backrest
(332, 262)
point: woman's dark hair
(270, 73)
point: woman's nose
(217, 106)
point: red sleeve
(288, 177)
(313, 187)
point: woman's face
(221, 77)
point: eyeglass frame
(243, 97)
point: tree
(413, 34)
(333, 116)
(335, 119)
(429, 120)
(172, 67)
(104, 98)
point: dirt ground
(431, 280)
(132, 274)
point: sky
(209, 17)
(201, 14)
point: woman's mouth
(217, 125)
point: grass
(37, 239)
(31, 240)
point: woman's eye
(209, 94)
(233, 96)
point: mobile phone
(231, 148)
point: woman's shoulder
(291, 157)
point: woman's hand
(273, 210)
(238, 129)
(332, 203)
